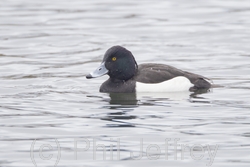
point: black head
(119, 63)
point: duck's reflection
(123, 98)
(129, 100)
(121, 104)
(195, 98)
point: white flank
(176, 84)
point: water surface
(48, 47)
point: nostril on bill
(100, 69)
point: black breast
(118, 86)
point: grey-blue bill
(100, 71)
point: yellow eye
(113, 58)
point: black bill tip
(89, 76)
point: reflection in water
(125, 102)
(129, 100)
(195, 99)
(165, 96)
(123, 98)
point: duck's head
(118, 63)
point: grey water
(51, 115)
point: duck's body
(126, 76)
